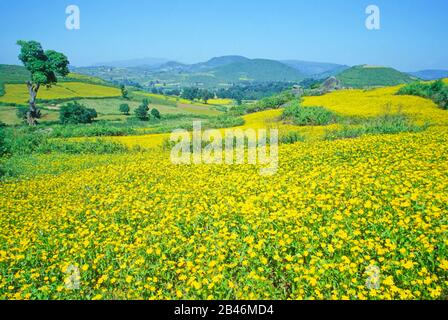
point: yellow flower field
(378, 101)
(137, 226)
(18, 93)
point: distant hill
(257, 70)
(148, 62)
(316, 69)
(372, 76)
(430, 74)
(13, 74)
(217, 62)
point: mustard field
(18, 93)
(136, 226)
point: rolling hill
(257, 70)
(430, 74)
(318, 70)
(372, 76)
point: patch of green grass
(308, 116)
(385, 124)
(291, 137)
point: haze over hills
(315, 69)
(430, 74)
(148, 62)
(218, 71)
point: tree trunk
(33, 113)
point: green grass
(8, 115)
(385, 124)
(111, 106)
(308, 116)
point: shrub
(23, 140)
(82, 147)
(124, 108)
(385, 124)
(155, 113)
(21, 113)
(436, 91)
(308, 116)
(74, 113)
(141, 112)
(91, 130)
(291, 137)
(224, 121)
(273, 102)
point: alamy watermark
(73, 20)
(236, 146)
(72, 280)
(373, 21)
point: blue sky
(412, 34)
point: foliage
(124, 108)
(273, 102)
(155, 113)
(141, 112)
(43, 65)
(74, 113)
(290, 138)
(436, 91)
(124, 92)
(385, 124)
(305, 116)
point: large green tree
(44, 67)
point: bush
(82, 147)
(3, 148)
(124, 108)
(224, 121)
(23, 140)
(91, 130)
(385, 124)
(75, 113)
(308, 116)
(155, 113)
(291, 137)
(142, 112)
(436, 91)
(273, 102)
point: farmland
(139, 227)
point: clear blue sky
(412, 36)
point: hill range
(227, 70)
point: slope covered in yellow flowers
(136, 226)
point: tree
(142, 112)
(206, 95)
(44, 67)
(124, 108)
(124, 92)
(74, 113)
(190, 93)
(155, 113)
(22, 113)
(146, 102)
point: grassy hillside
(372, 76)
